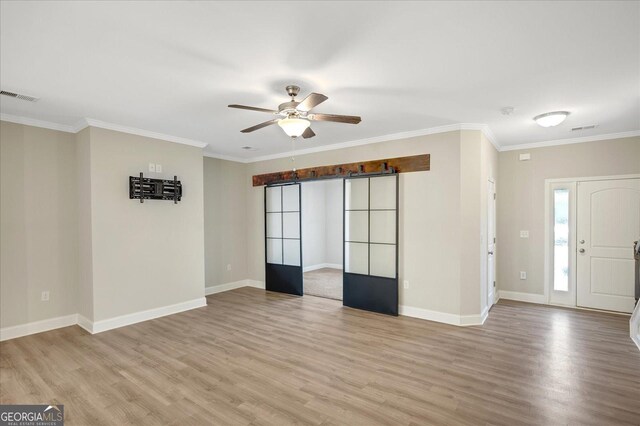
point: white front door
(491, 244)
(608, 223)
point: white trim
(523, 297)
(224, 157)
(15, 331)
(255, 284)
(225, 287)
(634, 325)
(86, 122)
(36, 123)
(590, 178)
(557, 142)
(136, 317)
(321, 266)
(85, 323)
(141, 132)
(376, 139)
(443, 317)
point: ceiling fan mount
(296, 115)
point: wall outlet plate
(406, 284)
(523, 275)
(524, 234)
(525, 157)
(158, 168)
(45, 296)
(152, 167)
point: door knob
(581, 241)
(581, 250)
(490, 252)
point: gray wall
(146, 255)
(38, 232)
(225, 218)
(521, 200)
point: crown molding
(225, 157)
(373, 140)
(86, 122)
(36, 123)
(557, 142)
(141, 132)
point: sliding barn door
(371, 243)
(283, 244)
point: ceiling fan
(295, 117)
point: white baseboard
(634, 326)
(255, 283)
(136, 317)
(7, 333)
(443, 317)
(523, 297)
(232, 286)
(321, 266)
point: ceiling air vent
(592, 126)
(19, 96)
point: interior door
(370, 277)
(608, 223)
(491, 243)
(283, 242)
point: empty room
(319, 213)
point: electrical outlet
(524, 234)
(228, 267)
(406, 284)
(523, 275)
(45, 296)
(158, 168)
(152, 167)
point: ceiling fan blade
(314, 99)
(260, 126)
(350, 119)
(308, 133)
(250, 108)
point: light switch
(152, 167)
(158, 168)
(524, 234)
(523, 275)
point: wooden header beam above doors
(415, 163)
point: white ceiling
(172, 67)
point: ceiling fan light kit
(295, 117)
(294, 127)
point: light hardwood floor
(252, 357)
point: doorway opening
(322, 238)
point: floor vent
(592, 126)
(19, 96)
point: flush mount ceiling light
(294, 126)
(551, 119)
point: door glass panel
(356, 194)
(356, 226)
(383, 226)
(291, 252)
(274, 251)
(356, 258)
(383, 193)
(290, 198)
(561, 240)
(274, 225)
(383, 260)
(291, 225)
(274, 199)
